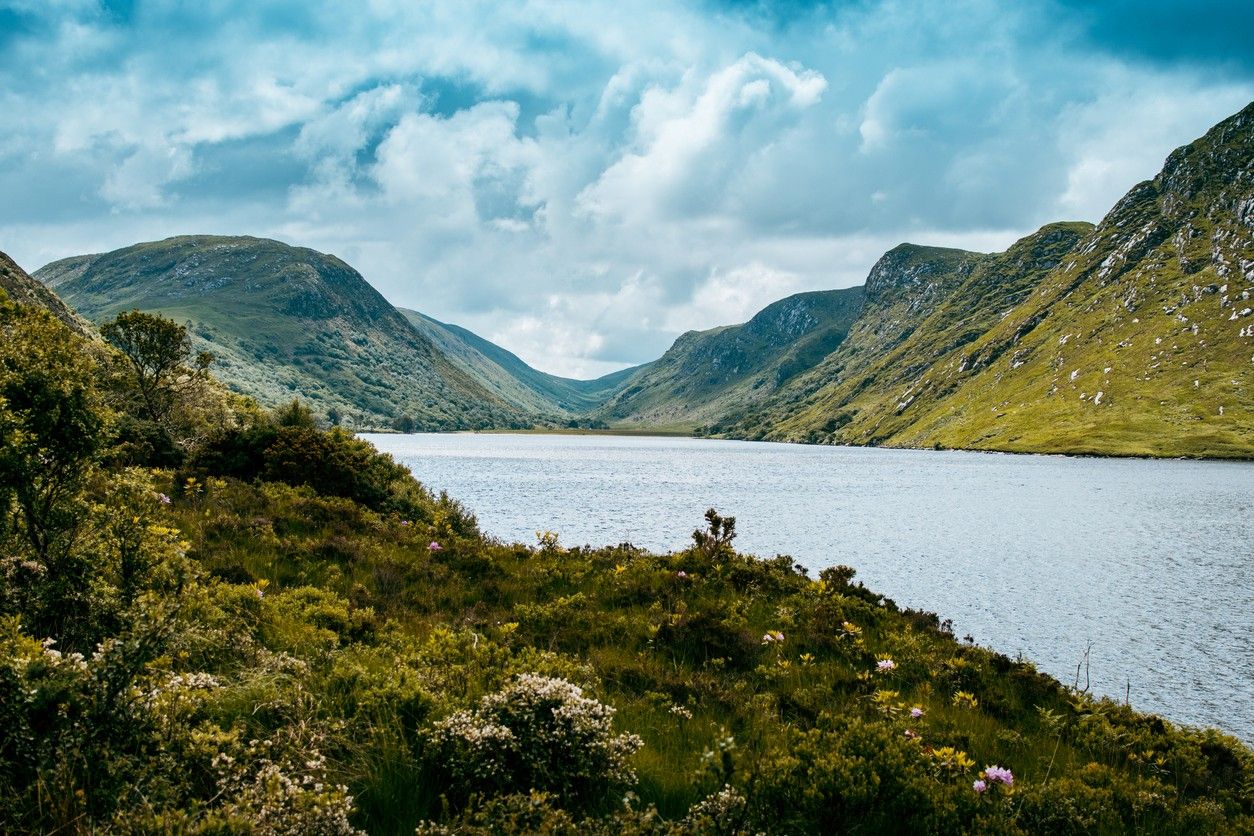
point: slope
(861, 394)
(25, 290)
(707, 373)
(283, 322)
(1137, 342)
(506, 375)
(1142, 342)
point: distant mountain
(507, 376)
(25, 290)
(1132, 337)
(922, 303)
(287, 322)
(705, 374)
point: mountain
(287, 322)
(25, 290)
(511, 379)
(1133, 337)
(922, 304)
(707, 373)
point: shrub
(538, 733)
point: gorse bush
(288, 634)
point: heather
(216, 618)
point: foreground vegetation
(217, 619)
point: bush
(538, 733)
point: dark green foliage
(51, 429)
(295, 414)
(156, 349)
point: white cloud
(137, 182)
(687, 142)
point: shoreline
(664, 432)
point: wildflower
(999, 775)
(916, 712)
(404, 522)
(681, 574)
(910, 735)
(965, 699)
(772, 636)
(434, 546)
(885, 665)
(979, 786)
(163, 499)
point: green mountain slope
(25, 290)
(511, 379)
(284, 322)
(1133, 338)
(707, 373)
(924, 303)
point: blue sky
(581, 182)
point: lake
(1151, 563)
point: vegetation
(707, 374)
(285, 633)
(504, 374)
(284, 320)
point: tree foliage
(157, 350)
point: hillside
(507, 376)
(706, 373)
(25, 290)
(1133, 337)
(922, 304)
(287, 322)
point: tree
(295, 414)
(51, 431)
(157, 349)
(715, 541)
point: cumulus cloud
(583, 182)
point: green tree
(51, 430)
(157, 350)
(295, 414)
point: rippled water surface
(1152, 562)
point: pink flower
(885, 665)
(999, 775)
(434, 546)
(916, 712)
(404, 522)
(979, 786)
(911, 735)
(163, 499)
(681, 574)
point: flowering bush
(537, 733)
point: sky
(581, 182)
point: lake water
(1150, 562)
